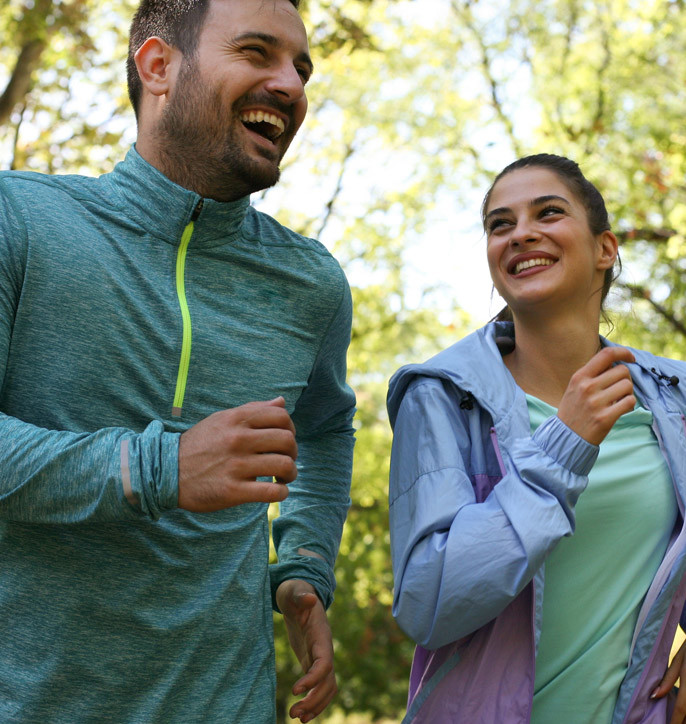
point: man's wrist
(281, 573)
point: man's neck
(185, 174)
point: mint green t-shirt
(596, 579)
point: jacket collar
(475, 366)
(164, 208)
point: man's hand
(598, 395)
(676, 670)
(221, 457)
(310, 637)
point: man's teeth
(532, 262)
(262, 117)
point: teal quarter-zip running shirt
(130, 309)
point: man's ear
(158, 65)
(607, 250)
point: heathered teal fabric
(116, 611)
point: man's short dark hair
(177, 22)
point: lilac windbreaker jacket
(477, 502)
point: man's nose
(287, 83)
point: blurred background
(414, 106)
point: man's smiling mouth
(267, 125)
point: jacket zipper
(496, 448)
(669, 559)
(184, 362)
(670, 556)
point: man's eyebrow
(274, 42)
(534, 202)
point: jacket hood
(474, 364)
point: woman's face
(539, 244)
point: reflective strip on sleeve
(126, 475)
(306, 552)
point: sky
(453, 255)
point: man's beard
(199, 144)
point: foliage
(74, 111)
(603, 83)
(362, 120)
(414, 104)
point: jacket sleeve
(459, 562)
(57, 476)
(308, 531)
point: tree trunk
(20, 81)
(281, 711)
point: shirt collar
(164, 209)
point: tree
(363, 118)
(63, 107)
(414, 105)
(603, 83)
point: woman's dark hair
(570, 174)
(177, 22)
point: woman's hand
(598, 394)
(676, 670)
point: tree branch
(658, 236)
(349, 150)
(465, 15)
(566, 53)
(15, 144)
(640, 292)
(597, 122)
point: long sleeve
(458, 562)
(308, 530)
(97, 336)
(58, 476)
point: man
(167, 355)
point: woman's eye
(496, 224)
(551, 211)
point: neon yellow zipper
(185, 360)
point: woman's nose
(523, 233)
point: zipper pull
(197, 210)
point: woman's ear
(607, 250)
(157, 63)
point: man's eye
(304, 74)
(256, 49)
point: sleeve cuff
(313, 570)
(565, 446)
(154, 470)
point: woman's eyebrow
(499, 210)
(534, 202)
(544, 199)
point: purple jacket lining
(438, 704)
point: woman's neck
(548, 352)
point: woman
(538, 480)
